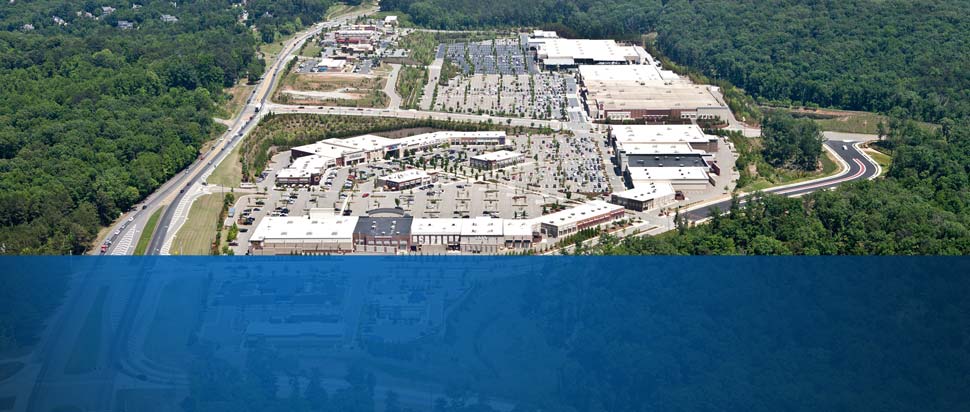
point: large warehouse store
(645, 92)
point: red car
(365, 195)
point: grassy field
(177, 317)
(87, 346)
(845, 121)
(146, 234)
(229, 172)
(270, 50)
(881, 158)
(235, 99)
(341, 8)
(311, 49)
(199, 231)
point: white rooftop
(444, 226)
(662, 133)
(647, 191)
(607, 51)
(482, 226)
(367, 142)
(579, 213)
(659, 148)
(331, 63)
(325, 148)
(642, 175)
(405, 176)
(518, 227)
(497, 156)
(625, 72)
(294, 228)
(545, 34)
(305, 166)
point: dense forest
(857, 54)
(101, 102)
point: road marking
(121, 248)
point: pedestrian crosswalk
(124, 244)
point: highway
(127, 230)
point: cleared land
(229, 172)
(87, 346)
(333, 89)
(845, 121)
(199, 231)
(236, 99)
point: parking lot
(499, 56)
(562, 164)
(538, 96)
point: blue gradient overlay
(485, 334)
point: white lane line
(121, 248)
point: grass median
(146, 234)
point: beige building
(303, 235)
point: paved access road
(127, 231)
(857, 166)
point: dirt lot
(334, 89)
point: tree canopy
(855, 54)
(791, 143)
(94, 117)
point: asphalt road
(125, 232)
(859, 167)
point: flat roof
(325, 148)
(600, 50)
(335, 148)
(647, 191)
(662, 133)
(619, 95)
(641, 175)
(545, 34)
(497, 156)
(518, 227)
(666, 160)
(658, 148)
(272, 228)
(384, 226)
(367, 142)
(305, 166)
(482, 226)
(625, 72)
(578, 213)
(406, 176)
(443, 226)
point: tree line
(94, 117)
(856, 54)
